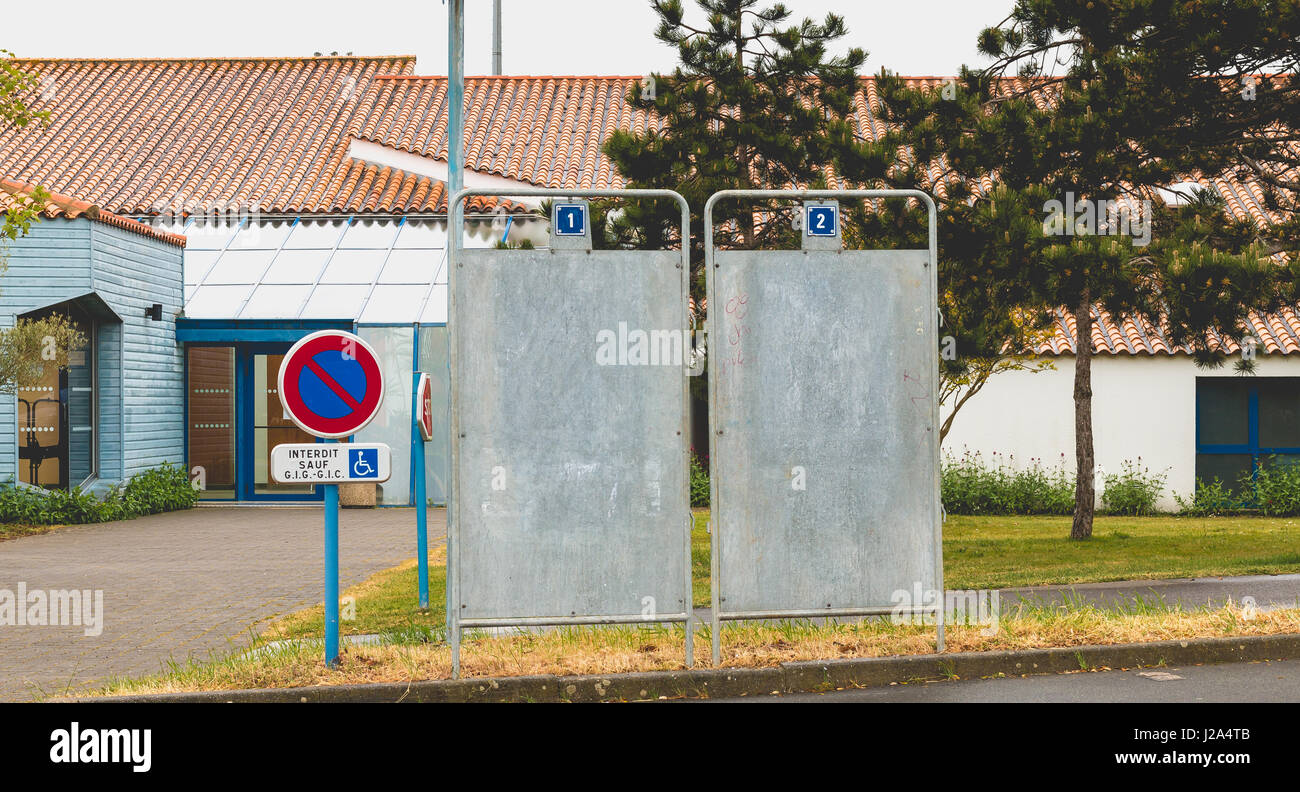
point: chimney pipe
(496, 36)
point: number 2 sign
(822, 220)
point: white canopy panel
(370, 271)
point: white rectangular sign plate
(330, 463)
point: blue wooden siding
(48, 265)
(140, 377)
(132, 272)
(108, 348)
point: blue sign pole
(421, 502)
(331, 573)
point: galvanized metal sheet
(825, 466)
(572, 460)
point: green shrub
(1133, 491)
(1276, 487)
(159, 489)
(971, 486)
(699, 480)
(1210, 498)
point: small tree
(32, 345)
(19, 212)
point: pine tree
(756, 101)
(1115, 99)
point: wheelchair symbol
(365, 462)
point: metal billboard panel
(824, 444)
(572, 469)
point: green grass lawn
(999, 552)
(386, 603)
(979, 552)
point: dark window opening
(1243, 424)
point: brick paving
(183, 585)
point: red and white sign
(424, 403)
(331, 384)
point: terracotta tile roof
(547, 131)
(1276, 333)
(134, 136)
(59, 205)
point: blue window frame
(1243, 424)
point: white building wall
(1142, 406)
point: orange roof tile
(1277, 334)
(135, 135)
(59, 205)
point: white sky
(912, 37)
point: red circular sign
(330, 383)
(424, 397)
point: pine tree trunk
(1085, 490)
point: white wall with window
(1143, 407)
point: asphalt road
(1277, 681)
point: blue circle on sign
(344, 390)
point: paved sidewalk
(1268, 591)
(183, 585)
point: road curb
(810, 676)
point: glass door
(267, 426)
(42, 432)
(210, 373)
(57, 414)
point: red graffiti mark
(736, 306)
(907, 378)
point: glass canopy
(366, 270)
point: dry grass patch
(611, 650)
(18, 530)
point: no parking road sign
(331, 384)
